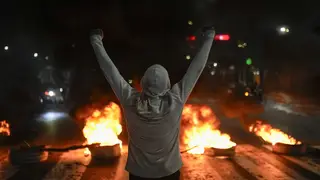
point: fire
(103, 126)
(272, 135)
(200, 133)
(4, 128)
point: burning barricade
(4, 131)
(4, 128)
(103, 127)
(200, 133)
(280, 142)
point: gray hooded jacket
(153, 115)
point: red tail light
(222, 37)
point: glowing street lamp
(6, 48)
(283, 30)
(35, 55)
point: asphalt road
(251, 161)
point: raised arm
(184, 87)
(119, 86)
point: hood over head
(155, 81)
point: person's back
(153, 121)
(153, 115)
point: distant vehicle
(52, 96)
(245, 93)
(54, 89)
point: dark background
(144, 32)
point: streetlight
(188, 57)
(283, 30)
(6, 48)
(190, 23)
(35, 55)
(215, 64)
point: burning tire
(221, 152)
(27, 155)
(105, 152)
(297, 149)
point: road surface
(252, 161)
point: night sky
(143, 32)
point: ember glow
(103, 126)
(272, 135)
(4, 128)
(200, 123)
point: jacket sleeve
(120, 87)
(184, 87)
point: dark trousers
(174, 176)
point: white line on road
(270, 158)
(121, 173)
(311, 166)
(7, 170)
(258, 167)
(71, 165)
(197, 168)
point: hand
(97, 32)
(208, 31)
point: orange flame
(4, 128)
(272, 135)
(201, 132)
(103, 126)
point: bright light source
(190, 23)
(249, 61)
(212, 73)
(192, 38)
(188, 57)
(215, 64)
(47, 58)
(242, 44)
(283, 30)
(246, 94)
(51, 93)
(61, 89)
(222, 37)
(130, 81)
(52, 116)
(6, 48)
(35, 55)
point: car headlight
(52, 116)
(50, 93)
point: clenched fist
(97, 32)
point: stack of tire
(27, 155)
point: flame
(272, 135)
(4, 128)
(201, 131)
(103, 126)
